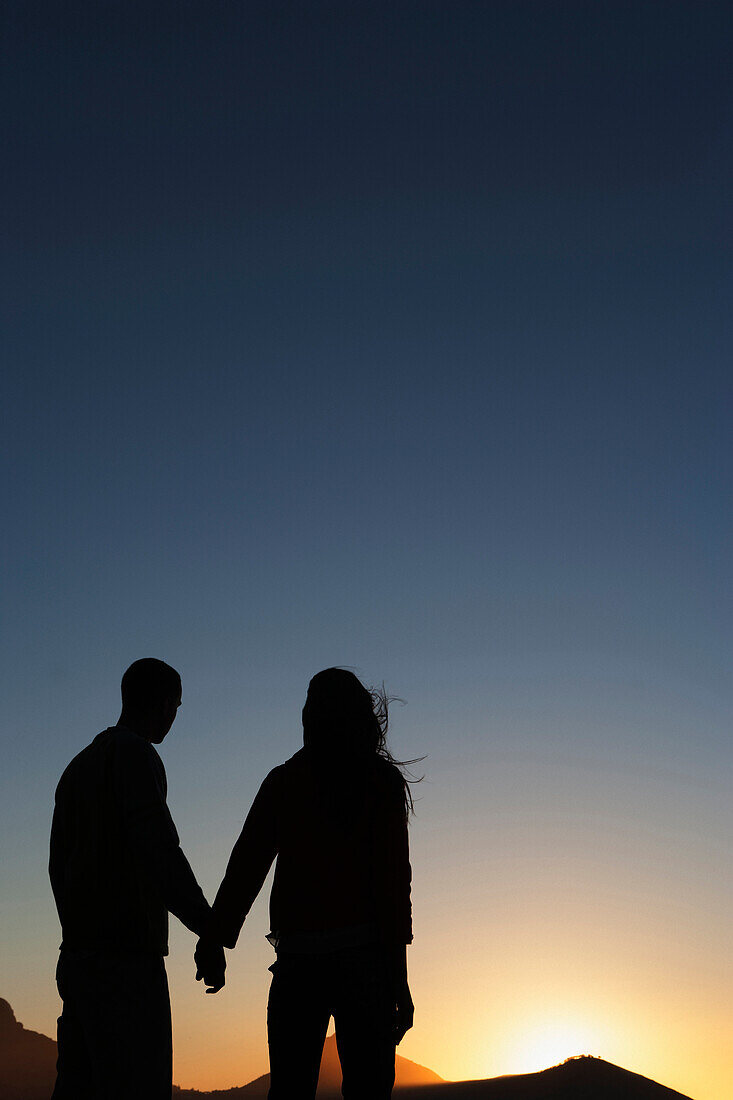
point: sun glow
(547, 1044)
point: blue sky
(391, 335)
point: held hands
(210, 964)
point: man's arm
(140, 785)
(55, 858)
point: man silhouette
(116, 870)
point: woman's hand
(403, 1008)
(404, 1013)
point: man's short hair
(149, 681)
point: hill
(27, 1060)
(28, 1072)
(407, 1075)
(582, 1078)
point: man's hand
(210, 964)
(404, 1012)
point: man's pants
(306, 990)
(114, 1031)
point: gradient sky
(394, 335)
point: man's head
(151, 695)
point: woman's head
(341, 715)
(345, 721)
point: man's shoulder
(126, 739)
(116, 743)
(131, 751)
(86, 755)
(122, 743)
(81, 766)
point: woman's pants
(306, 990)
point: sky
(396, 336)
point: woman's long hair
(347, 722)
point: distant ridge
(582, 1078)
(407, 1074)
(27, 1060)
(28, 1072)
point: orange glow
(550, 1042)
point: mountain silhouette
(407, 1074)
(28, 1072)
(582, 1078)
(27, 1060)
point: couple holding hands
(333, 817)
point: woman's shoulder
(286, 772)
(388, 777)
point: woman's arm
(392, 871)
(248, 865)
(394, 905)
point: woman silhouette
(335, 817)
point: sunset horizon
(27, 1057)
